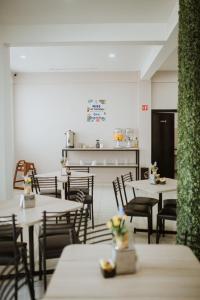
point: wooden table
(30, 216)
(165, 272)
(158, 189)
(64, 178)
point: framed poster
(96, 111)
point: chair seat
(7, 251)
(50, 192)
(88, 198)
(136, 210)
(144, 200)
(167, 213)
(55, 244)
(6, 232)
(74, 190)
(55, 229)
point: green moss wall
(189, 119)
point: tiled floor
(104, 209)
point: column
(6, 126)
(144, 107)
(188, 160)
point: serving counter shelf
(96, 164)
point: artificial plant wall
(188, 207)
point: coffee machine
(70, 138)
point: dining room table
(163, 272)
(28, 217)
(145, 185)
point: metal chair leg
(44, 271)
(158, 230)
(40, 264)
(149, 228)
(30, 280)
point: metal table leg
(160, 202)
(31, 249)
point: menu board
(96, 111)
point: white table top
(31, 216)
(64, 178)
(146, 186)
(164, 272)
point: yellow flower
(116, 221)
(27, 180)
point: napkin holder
(27, 201)
(125, 260)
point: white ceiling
(84, 11)
(79, 35)
(78, 58)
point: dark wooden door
(163, 143)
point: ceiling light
(23, 56)
(112, 55)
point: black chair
(46, 186)
(132, 209)
(166, 213)
(86, 185)
(191, 238)
(54, 235)
(136, 200)
(6, 232)
(13, 257)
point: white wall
(46, 105)
(6, 126)
(165, 90)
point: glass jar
(118, 136)
(129, 137)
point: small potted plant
(119, 230)
(154, 177)
(123, 255)
(27, 200)
(27, 185)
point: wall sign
(96, 111)
(145, 107)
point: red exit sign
(145, 107)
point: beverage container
(97, 144)
(70, 137)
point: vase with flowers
(119, 230)
(27, 185)
(123, 255)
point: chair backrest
(69, 223)
(85, 184)
(45, 184)
(16, 265)
(8, 230)
(81, 218)
(117, 187)
(127, 178)
(23, 168)
(80, 169)
(9, 287)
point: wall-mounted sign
(96, 111)
(145, 107)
